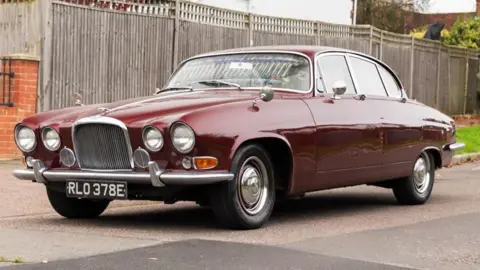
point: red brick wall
(24, 98)
(420, 19)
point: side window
(334, 68)
(367, 77)
(392, 87)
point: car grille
(102, 147)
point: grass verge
(5, 260)
(471, 137)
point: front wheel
(417, 188)
(246, 202)
(75, 208)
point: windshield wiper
(219, 82)
(173, 88)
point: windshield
(278, 70)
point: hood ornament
(104, 110)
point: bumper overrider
(155, 176)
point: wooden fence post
(44, 94)
(381, 46)
(175, 35)
(371, 40)
(439, 70)
(449, 79)
(467, 66)
(250, 28)
(318, 34)
(412, 67)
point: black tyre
(246, 202)
(417, 188)
(75, 208)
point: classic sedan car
(240, 130)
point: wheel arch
(280, 153)
(435, 153)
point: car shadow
(320, 205)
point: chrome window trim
(319, 55)
(367, 57)
(349, 55)
(383, 81)
(100, 119)
(312, 74)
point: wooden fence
(116, 49)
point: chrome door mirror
(339, 88)
(266, 94)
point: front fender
(251, 137)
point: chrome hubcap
(253, 185)
(421, 175)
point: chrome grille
(102, 147)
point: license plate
(96, 190)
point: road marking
(476, 169)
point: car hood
(143, 110)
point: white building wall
(333, 11)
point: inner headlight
(153, 139)
(183, 138)
(25, 138)
(51, 139)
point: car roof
(306, 49)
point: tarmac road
(352, 228)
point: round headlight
(153, 139)
(51, 139)
(183, 138)
(25, 138)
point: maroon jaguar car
(239, 130)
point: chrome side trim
(100, 119)
(195, 178)
(155, 177)
(455, 146)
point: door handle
(360, 97)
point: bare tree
(390, 15)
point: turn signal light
(204, 163)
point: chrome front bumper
(155, 176)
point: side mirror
(339, 88)
(266, 94)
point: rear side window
(367, 77)
(390, 83)
(334, 68)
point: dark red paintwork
(334, 143)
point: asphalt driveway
(352, 228)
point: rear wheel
(246, 202)
(417, 188)
(75, 208)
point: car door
(348, 138)
(398, 132)
(401, 126)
